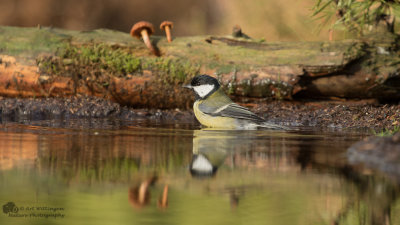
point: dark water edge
(326, 115)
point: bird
(214, 109)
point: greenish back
(214, 101)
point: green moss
(262, 88)
(246, 86)
(223, 68)
(101, 60)
(355, 51)
(226, 68)
(387, 132)
(382, 61)
(47, 65)
(116, 61)
(171, 70)
(231, 86)
(283, 90)
(30, 42)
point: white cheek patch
(204, 89)
(201, 164)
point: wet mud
(95, 112)
(331, 115)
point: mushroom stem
(168, 33)
(165, 196)
(163, 202)
(147, 41)
(142, 191)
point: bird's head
(203, 86)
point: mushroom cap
(166, 23)
(139, 26)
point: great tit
(213, 108)
(210, 149)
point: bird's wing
(234, 110)
(218, 104)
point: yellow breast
(213, 121)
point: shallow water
(149, 172)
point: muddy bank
(336, 115)
(104, 112)
(340, 115)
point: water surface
(111, 172)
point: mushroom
(237, 32)
(144, 29)
(163, 200)
(139, 195)
(167, 26)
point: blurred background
(272, 20)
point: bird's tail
(268, 125)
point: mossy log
(47, 62)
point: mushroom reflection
(163, 200)
(139, 195)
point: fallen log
(49, 62)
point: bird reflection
(210, 148)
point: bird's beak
(187, 86)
